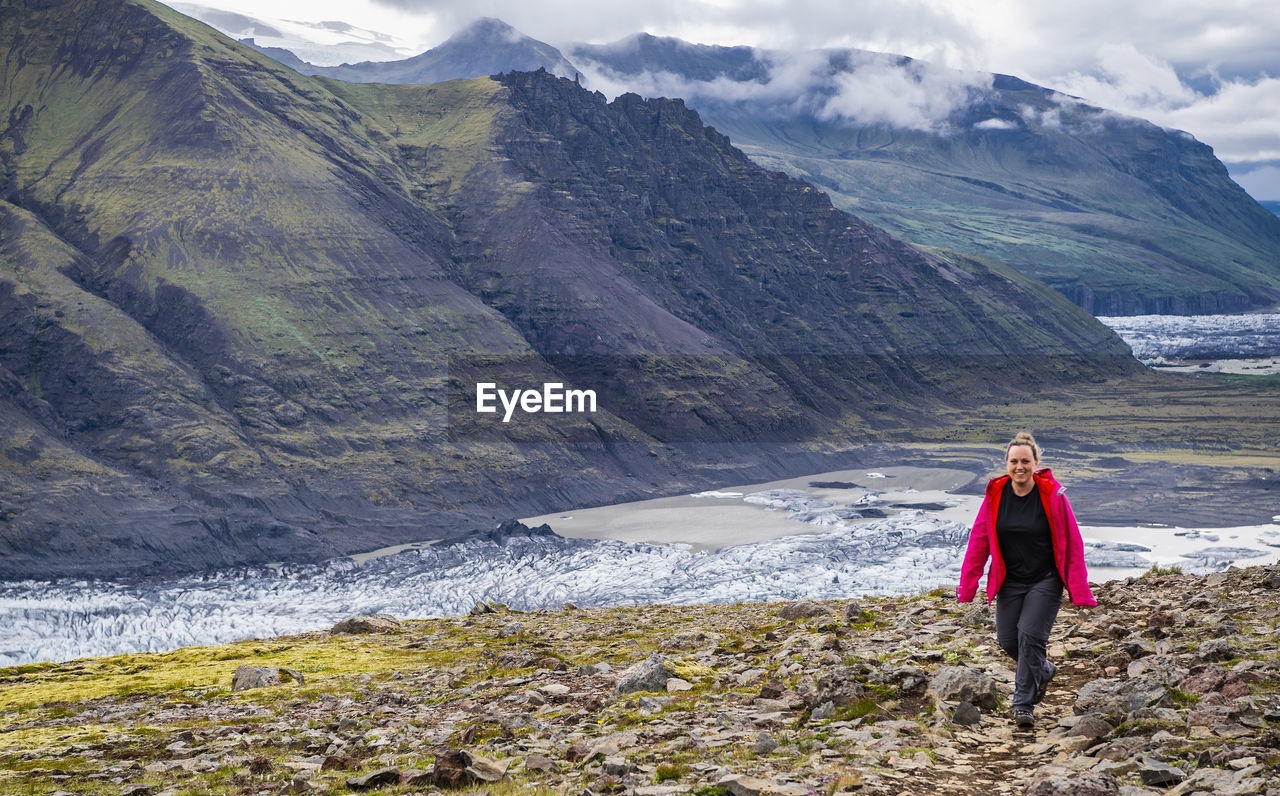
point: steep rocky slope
(244, 311)
(1122, 216)
(1169, 686)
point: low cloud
(791, 79)
(995, 124)
(863, 88)
(1238, 118)
(911, 96)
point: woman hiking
(1027, 529)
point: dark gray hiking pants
(1024, 617)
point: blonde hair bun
(1024, 438)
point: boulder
(1154, 772)
(1120, 697)
(911, 680)
(536, 762)
(979, 616)
(482, 769)
(375, 779)
(653, 704)
(1092, 726)
(579, 751)
(1164, 667)
(764, 744)
(966, 713)
(741, 785)
(853, 613)
(1211, 679)
(804, 609)
(262, 676)
(366, 623)
(450, 770)
(650, 674)
(962, 684)
(1222, 783)
(1081, 785)
(1216, 649)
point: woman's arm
(975, 556)
(1077, 575)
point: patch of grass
(864, 621)
(856, 709)
(1144, 727)
(690, 671)
(669, 771)
(1157, 570)
(208, 670)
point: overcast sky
(1210, 68)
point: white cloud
(917, 96)
(1124, 78)
(791, 80)
(1209, 68)
(1241, 120)
(995, 124)
(873, 90)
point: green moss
(686, 670)
(209, 670)
(670, 771)
(856, 709)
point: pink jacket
(1068, 547)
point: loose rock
(962, 684)
(376, 779)
(651, 674)
(804, 609)
(1082, 785)
(377, 623)
(263, 676)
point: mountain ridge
(1121, 216)
(486, 46)
(1003, 175)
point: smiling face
(1020, 462)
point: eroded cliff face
(243, 311)
(1119, 214)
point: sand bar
(720, 518)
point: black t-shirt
(1022, 529)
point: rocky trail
(1171, 685)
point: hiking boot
(1040, 692)
(1024, 718)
